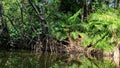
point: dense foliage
(29, 21)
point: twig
(36, 10)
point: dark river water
(27, 59)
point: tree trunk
(117, 6)
(116, 55)
(0, 22)
(4, 34)
(42, 39)
(100, 3)
(86, 9)
(82, 15)
(90, 9)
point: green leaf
(74, 17)
(74, 35)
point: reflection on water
(23, 59)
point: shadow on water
(26, 59)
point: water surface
(27, 59)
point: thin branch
(36, 10)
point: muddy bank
(77, 49)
